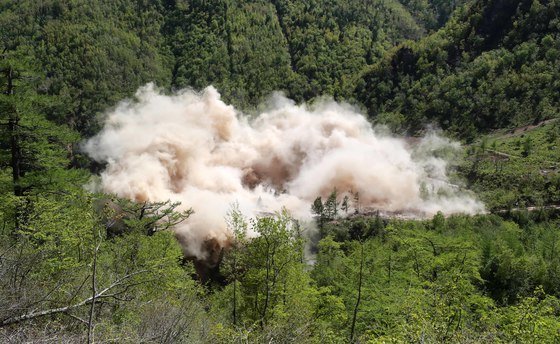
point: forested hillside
(494, 65)
(91, 54)
(79, 263)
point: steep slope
(516, 168)
(433, 14)
(95, 53)
(495, 64)
(306, 48)
(92, 54)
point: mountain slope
(493, 65)
(95, 53)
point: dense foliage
(456, 279)
(77, 266)
(94, 53)
(512, 169)
(493, 65)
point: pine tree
(37, 149)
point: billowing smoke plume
(193, 148)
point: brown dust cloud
(194, 148)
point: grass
(517, 168)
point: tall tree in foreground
(92, 285)
(272, 294)
(37, 150)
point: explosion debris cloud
(193, 148)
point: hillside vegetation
(92, 54)
(516, 168)
(78, 266)
(493, 65)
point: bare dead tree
(110, 292)
(93, 286)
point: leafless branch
(99, 295)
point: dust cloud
(193, 148)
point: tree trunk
(267, 287)
(234, 302)
(15, 156)
(235, 286)
(359, 294)
(93, 291)
(13, 130)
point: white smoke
(193, 148)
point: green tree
(275, 293)
(64, 248)
(318, 209)
(233, 260)
(331, 205)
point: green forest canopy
(72, 270)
